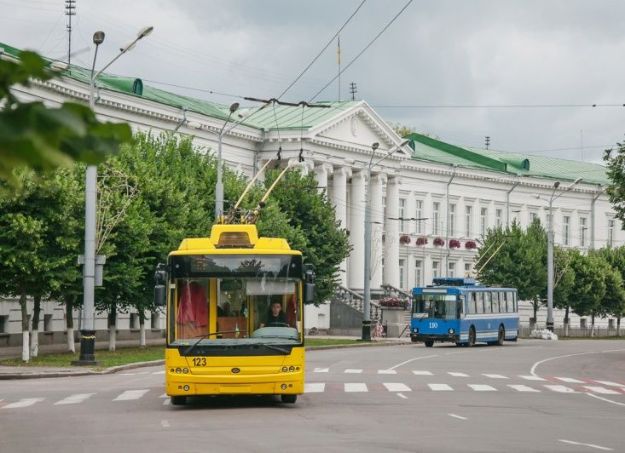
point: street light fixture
(219, 185)
(87, 328)
(366, 322)
(553, 197)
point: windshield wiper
(275, 348)
(203, 337)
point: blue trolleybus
(461, 311)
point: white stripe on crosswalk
(440, 387)
(495, 376)
(353, 371)
(611, 384)
(569, 380)
(74, 399)
(482, 388)
(603, 390)
(387, 371)
(25, 402)
(159, 372)
(560, 388)
(131, 395)
(164, 395)
(421, 373)
(321, 370)
(356, 387)
(532, 378)
(522, 388)
(314, 387)
(166, 401)
(396, 387)
(457, 374)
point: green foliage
(589, 287)
(42, 138)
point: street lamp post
(366, 321)
(87, 328)
(553, 197)
(219, 185)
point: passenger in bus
(276, 317)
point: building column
(321, 175)
(355, 277)
(391, 245)
(339, 199)
(377, 229)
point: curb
(130, 366)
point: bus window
(480, 303)
(439, 306)
(510, 297)
(192, 309)
(487, 303)
(473, 303)
(496, 306)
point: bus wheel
(501, 336)
(178, 400)
(429, 343)
(290, 399)
(471, 337)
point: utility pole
(70, 10)
(353, 89)
(338, 61)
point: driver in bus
(276, 317)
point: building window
(436, 216)
(47, 323)
(154, 320)
(483, 221)
(566, 230)
(452, 219)
(610, 232)
(467, 269)
(436, 270)
(402, 273)
(452, 269)
(134, 321)
(582, 231)
(419, 215)
(533, 216)
(418, 273)
(498, 217)
(4, 324)
(402, 214)
(468, 213)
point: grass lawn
(125, 356)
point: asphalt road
(533, 396)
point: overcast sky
(437, 53)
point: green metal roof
(429, 149)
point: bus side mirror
(309, 293)
(160, 295)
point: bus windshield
(439, 306)
(236, 310)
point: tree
(42, 138)
(590, 286)
(614, 303)
(564, 278)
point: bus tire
(429, 343)
(178, 400)
(471, 337)
(501, 336)
(289, 399)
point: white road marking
(396, 387)
(533, 369)
(321, 370)
(440, 387)
(387, 372)
(532, 378)
(457, 374)
(569, 380)
(522, 388)
(352, 371)
(166, 401)
(482, 388)
(560, 389)
(143, 372)
(422, 373)
(459, 417)
(402, 396)
(602, 390)
(412, 360)
(131, 395)
(164, 395)
(605, 399)
(159, 372)
(314, 387)
(495, 376)
(127, 374)
(598, 447)
(356, 387)
(610, 383)
(25, 402)
(75, 399)
(165, 424)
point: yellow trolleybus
(234, 315)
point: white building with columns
(431, 200)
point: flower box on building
(439, 242)
(454, 244)
(470, 245)
(422, 240)
(393, 302)
(404, 239)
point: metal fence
(525, 331)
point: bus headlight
(415, 330)
(451, 331)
